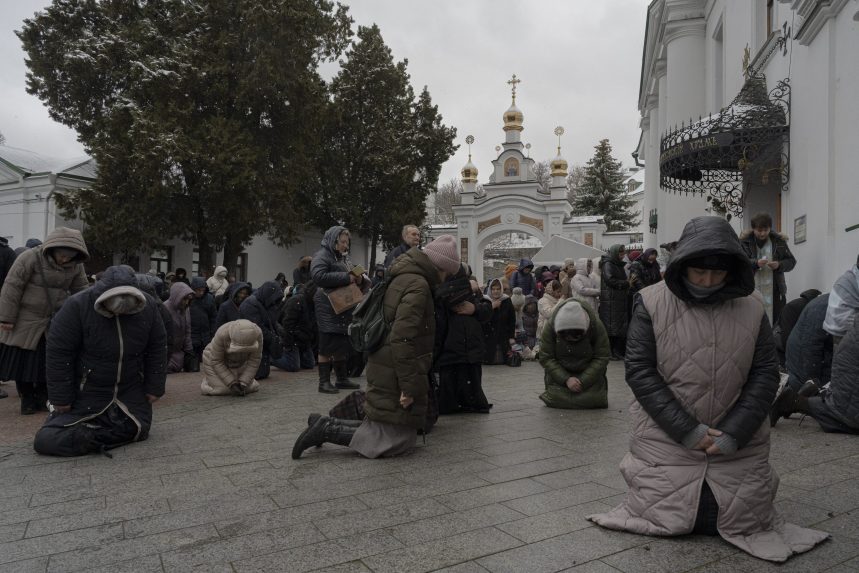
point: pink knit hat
(444, 254)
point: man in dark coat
(106, 357)
(770, 258)
(613, 308)
(7, 257)
(299, 330)
(411, 238)
(203, 316)
(397, 373)
(262, 308)
(787, 320)
(235, 295)
(836, 408)
(523, 277)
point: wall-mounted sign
(799, 230)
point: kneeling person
(231, 359)
(575, 352)
(105, 365)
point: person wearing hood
(411, 238)
(547, 303)
(702, 366)
(106, 353)
(331, 269)
(787, 320)
(218, 283)
(378, 274)
(30, 244)
(298, 322)
(204, 316)
(613, 294)
(568, 271)
(301, 273)
(263, 309)
(460, 313)
(530, 321)
(180, 318)
(843, 304)
(38, 283)
(523, 277)
(770, 257)
(574, 352)
(231, 360)
(582, 286)
(181, 275)
(398, 371)
(149, 284)
(234, 296)
(643, 271)
(499, 331)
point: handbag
(345, 298)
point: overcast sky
(579, 62)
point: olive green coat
(25, 300)
(586, 359)
(403, 362)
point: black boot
(28, 405)
(325, 379)
(341, 369)
(311, 419)
(788, 402)
(324, 430)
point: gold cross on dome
(513, 81)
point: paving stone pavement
(214, 489)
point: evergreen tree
(384, 148)
(204, 117)
(602, 192)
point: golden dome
(469, 172)
(513, 118)
(559, 165)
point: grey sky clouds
(579, 62)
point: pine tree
(384, 148)
(602, 191)
(205, 118)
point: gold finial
(746, 58)
(559, 131)
(469, 139)
(513, 81)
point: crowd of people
(706, 338)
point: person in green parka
(575, 352)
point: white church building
(751, 107)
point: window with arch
(511, 167)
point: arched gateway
(513, 200)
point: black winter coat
(85, 348)
(330, 270)
(780, 253)
(459, 338)
(7, 257)
(392, 256)
(203, 316)
(229, 310)
(262, 308)
(498, 330)
(702, 236)
(299, 321)
(614, 288)
(643, 274)
(808, 353)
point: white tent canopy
(559, 248)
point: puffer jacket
(614, 288)
(329, 271)
(218, 283)
(203, 315)
(546, 305)
(526, 281)
(781, 253)
(844, 387)
(229, 309)
(35, 283)
(583, 287)
(808, 353)
(95, 359)
(181, 322)
(232, 356)
(299, 320)
(459, 338)
(149, 284)
(402, 363)
(586, 359)
(843, 303)
(530, 316)
(711, 362)
(263, 308)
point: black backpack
(369, 328)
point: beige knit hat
(571, 316)
(444, 254)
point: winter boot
(323, 430)
(788, 402)
(325, 379)
(341, 369)
(28, 405)
(311, 419)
